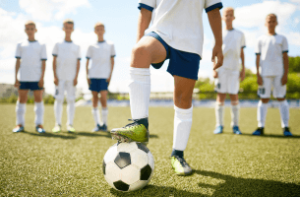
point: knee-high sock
(261, 113)
(219, 114)
(20, 112)
(284, 112)
(71, 111)
(235, 113)
(39, 113)
(182, 127)
(96, 115)
(139, 91)
(58, 107)
(104, 115)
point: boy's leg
(219, 110)
(58, 105)
(21, 107)
(235, 113)
(103, 101)
(71, 91)
(148, 50)
(39, 108)
(95, 110)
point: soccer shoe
(40, 129)
(258, 131)
(103, 127)
(56, 129)
(97, 128)
(136, 131)
(236, 130)
(286, 132)
(71, 129)
(18, 128)
(218, 130)
(180, 166)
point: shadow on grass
(51, 135)
(157, 191)
(234, 186)
(268, 136)
(92, 134)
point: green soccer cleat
(136, 131)
(180, 166)
(71, 129)
(56, 129)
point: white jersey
(31, 53)
(67, 54)
(233, 41)
(271, 48)
(100, 54)
(179, 23)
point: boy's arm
(143, 22)
(87, 70)
(259, 78)
(284, 78)
(41, 82)
(214, 17)
(18, 62)
(112, 60)
(54, 71)
(77, 71)
(242, 74)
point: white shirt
(31, 53)
(179, 22)
(100, 54)
(67, 54)
(233, 42)
(271, 49)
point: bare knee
(183, 101)
(280, 99)
(265, 100)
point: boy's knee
(140, 50)
(183, 100)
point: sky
(120, 19)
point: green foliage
(293, 86)
(294, 64)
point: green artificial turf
(63, 164)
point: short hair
(229, 9)
(30, 23)
(68, 21)
(272, 15)
(99, 24)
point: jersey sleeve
(44, 53)
(212, 4)
(243, 42)
(78, 53)
(89, 53)
(258, 47)
(18, 51)
(147, 4)
(55, 50)
(285, 46)
(112, 51)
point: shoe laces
(135, 122)
(182, 161)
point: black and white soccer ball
(128, 166)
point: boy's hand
(215, 74)
(284, 79)
(88, 81)
(108, 80)
(56, 81)
(217, 53)
(242, 74)
(41, 83)
(17, 83)
(75, 82)
(259, 80)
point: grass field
(33, 164)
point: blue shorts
(24, 85)
(98, 85)
(183, 64)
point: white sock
(182, 127)
(261, 113)
(104, 115)
(71, 112)
(235, 113)
(219, 114)
(139, 92)
(20, 111)
(58, 108)
(96, 115)
(284, 112)
(39, 113)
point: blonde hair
(229, 9)
(30, 23)
(99, 24)
(68, 21)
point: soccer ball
(128, 166)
